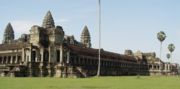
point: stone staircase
(11, 73)
(8, 70)
(3, 69)
(82, 72)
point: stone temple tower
(85, 37)
(48, 21)
(8, 34)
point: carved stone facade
(156, 66)
(47, 51)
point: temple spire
(8, 34)
(48, 21)
(85, 37)
(85, 31)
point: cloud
(21, 27)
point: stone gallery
(48, 51)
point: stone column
(68, 57)
(30, 53)
(36, 57)
(30, 65)
(49, 60)
(42, 54)
(152, 66)
(23, 55)
(41, 62)
(41, 65)
(11, 60)
(6, 59)
(168, 66)
(157, 67)
(61, 54)
(16, 60)
(160, 66)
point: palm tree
(168, 56)
(171, 48)
(161, 36)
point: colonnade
(10, 59)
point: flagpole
(99, 61)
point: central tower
(48, 21)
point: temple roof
(12, 46)
(104, 54)
(48, 21)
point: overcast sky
(126, 24)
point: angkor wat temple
(48, 51)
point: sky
(126, 24)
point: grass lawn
(154, 82)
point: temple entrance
(33, 56)
(45, 63)
(58, 55)
(46, 56)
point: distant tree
(161, 36)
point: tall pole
(171, 57)
(99, 61)
(160, 50)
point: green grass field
(91, 83)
